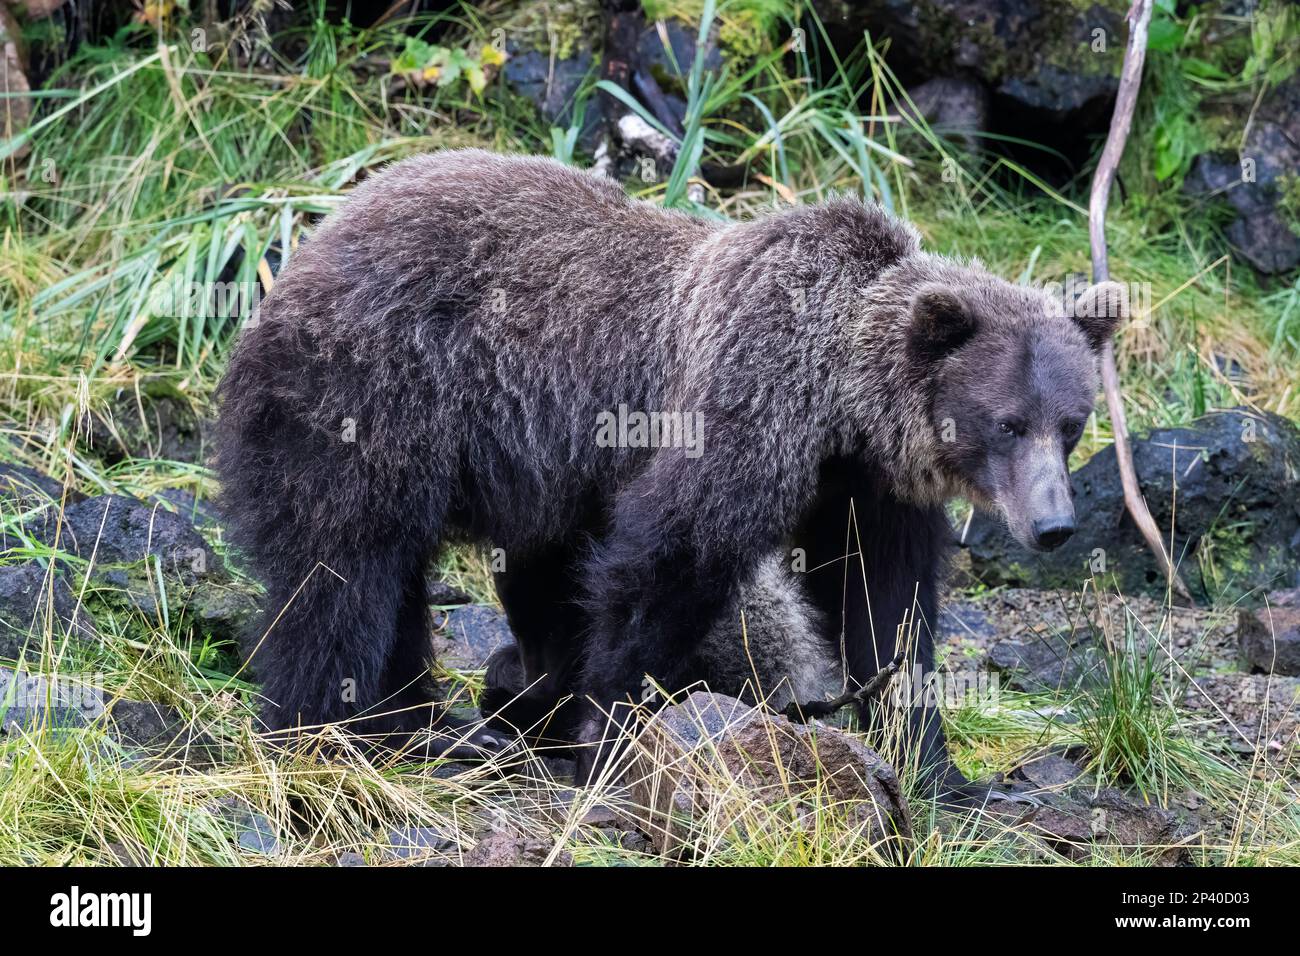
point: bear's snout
(1051, 533)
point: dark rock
(1051, 772)
(256, 834)
(119, 530)
(1074, 814)
(1049, 661)
(131, 542)
(160, 730)
(1252, 183)
(441, 594)
(184, 503)
(954, 106)
(26, 487)
(671, 64)
(1070, 823)
(470, 635)
(959, 619)
(1256, 716)
(1290, 597)
(691, 754)
(1237, 505)
(553, 88)
(27, 595)
(1270, 639)
(24, 490)
(132, 426)
(504, 848)
(350, 858)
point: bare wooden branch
(1139, 18)
(800, 713)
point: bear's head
(1013, 377)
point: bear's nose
(1051, 533)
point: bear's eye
(1072, 430)
(1008, 427)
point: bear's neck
(886, 395)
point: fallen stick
(801, 713)
(1130, 81)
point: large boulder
(1228, 484)
(693, 757)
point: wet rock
(505, 848)
(691, 752)
(1270, 639)
(29, 600)
(470, 635)
(1237, 478)
(1253, 182)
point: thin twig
(824, 708)
(1139, 17)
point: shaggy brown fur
(433, 363)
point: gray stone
(1050, 661)
(471, 634)
(424, 845)
(688, 749)
(32, 702)
(256, 834)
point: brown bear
(637, 407)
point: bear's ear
(1100, 310)
(941, 321)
